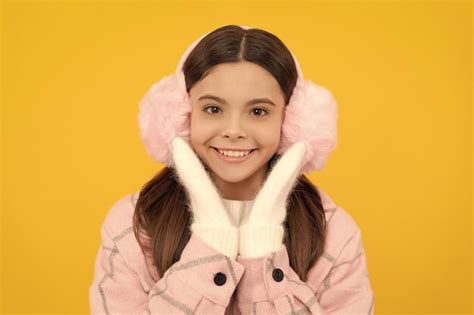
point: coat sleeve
(201, 282)
(345, 290)
(115, 289)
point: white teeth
(234, 153)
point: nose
(233, 129)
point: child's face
(234, 124)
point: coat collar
(327, 201)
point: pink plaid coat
(204, 281)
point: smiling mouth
(216, 149)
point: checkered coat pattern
(205, 281)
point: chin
(232, 177)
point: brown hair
(162, 210)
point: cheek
(194, 128)
(268, 136)
(201, 131)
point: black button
(277, 274)
(220, 278)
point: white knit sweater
(239, 210)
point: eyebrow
(251, 102)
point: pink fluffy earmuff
(310, 117)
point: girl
(231, 224)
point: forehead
(237, 81)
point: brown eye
(206, 109)
(260, 110)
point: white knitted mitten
(211, 220)
(263, 232)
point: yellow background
(74, 72)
